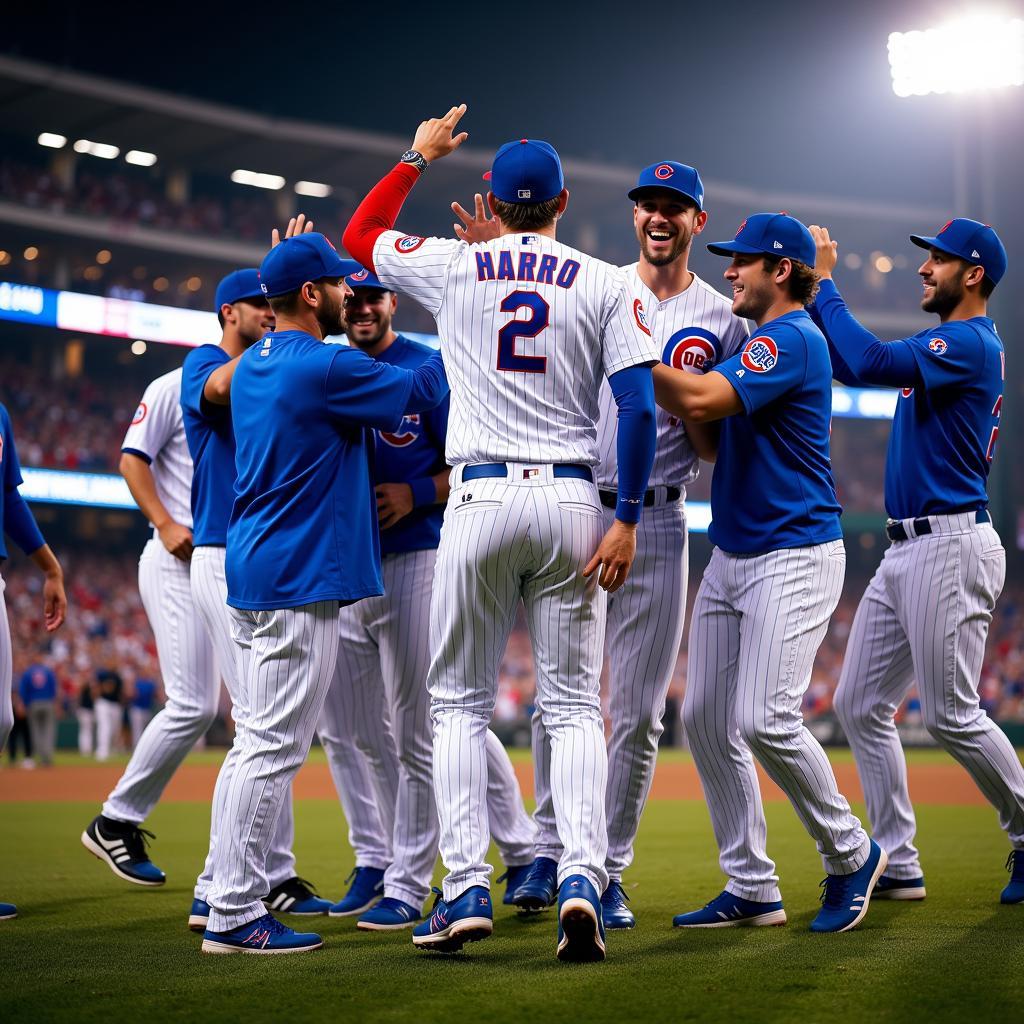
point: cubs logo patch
(760, 354)
(359, 275)
(140, 414)
(408, 243)
(640, 317)
(663, 171)
(406, 434)
(906, 392)
(938, 346)
(692, 349)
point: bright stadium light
(966, 55)
(257, 179)
(313, 188)
(140, 158)
(101, 149)
(52, 140)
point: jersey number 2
(508, 359)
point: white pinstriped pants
(210, 594)
(525, 537)
(6, 671)
(757, 624)
(191, 684)
(925, 616)
(645, 628)
(375, 728)
(291, 658)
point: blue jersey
(772, 486)
(944, 432)
(37, 683)
(304, 522)
(412, 455)
(144, 695)
(15, 517)
(211, 442)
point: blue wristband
(424, 491)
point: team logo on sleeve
(140, 414)
(407, 434)
(760, 354)
(640, 317)
(692, 349)
(663, 171)
(408, 243)
(938, 346)
(906, 392)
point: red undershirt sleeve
(378, 212)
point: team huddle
(346, 535)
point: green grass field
(89, 947)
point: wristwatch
(411, 156)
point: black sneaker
(296, 896)
(123, 847)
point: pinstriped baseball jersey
(528, 328)
(157, 434)
(700, 323)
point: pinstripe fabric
(525, 538)
(6, 671)
(190, 682)
(209, 593)
(757, 624)
(925, 616)
(512, 829)
(291, 658)
(645, 628)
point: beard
(680, 245)
(331, 318)
(752, 302)
(944, 299)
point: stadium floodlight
(52, 140)
(101, 149)
(317, 189)
(257, 179)
(966, 55)
(140, 158)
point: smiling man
(772, 584)
(926, 612)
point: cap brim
(733, 247)
(644, 190)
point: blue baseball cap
(972, 241)
(526, 171)
(670, 176)
(770, 234)
(239, 284)
(294, 261)
(364, 278)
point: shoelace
(301, 887)
(1015, 860)
(833, 891)
(438, 896)
(136, 840)
(618, 893)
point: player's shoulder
(166, 385)
(405, 245)
(711, 295)
(413, 349)
(203, 354)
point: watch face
(410, 156)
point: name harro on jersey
(525, 265)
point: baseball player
(245, 316)
(696, 327)
(528, 327)
(156, 465)
(302, 540)
(17, 522)
(926, 612)
(383, 657)
(773, 581)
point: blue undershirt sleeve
(633, 390)
(19, 523)
(429, 385)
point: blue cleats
(367, 887)
(1014, 891)
(296, 896)
(539, 887)
(451, 925)
(730, 911)
(199, 916)
(8, 911)
(122, 847)
(887, 888)
(265, 935)
(613, 907)
(580, 926)
(514, 876)
(388, 915)
(845, 898)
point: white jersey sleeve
(626, 335)
(157, 434)
(415, 266)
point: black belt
(610, 499)
(922, 527)
(572, 470)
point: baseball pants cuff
(598, 879)
(846, 864)
(225, 921)
(455, 885)
(759, 892)
(414, 897)
(902, 872)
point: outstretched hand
(826, 256)
(476, 226)
(436, 137)
(296, 226)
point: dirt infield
(929, 783)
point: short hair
(286, 303)
(220, 319)
(526, 216)
(802, 282)
(986, 287)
